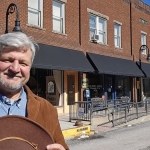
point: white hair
(19, 41)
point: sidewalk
(69, 129)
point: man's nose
(15, 66)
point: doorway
(71, 88)
(109, 87)
(52, 94)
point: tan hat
(20, 133)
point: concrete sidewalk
(69, 129)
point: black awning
(58, 58)
(114, 66)
(145, 67)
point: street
(136, 137)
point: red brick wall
(45, 35)
(137, 27)
(117, 10)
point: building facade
(86, 48)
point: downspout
(80, 22)
(131, 50)
(80, 75)
(131, 27)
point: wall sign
(85, 83)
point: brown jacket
(42, 112)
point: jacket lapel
(32, 104)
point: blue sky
(147, 1)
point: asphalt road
(136, 137)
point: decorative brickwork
(142, 6)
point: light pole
(142, 48)
(11, 9)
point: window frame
(143, 42)
(62, 18)
(118, 35)
(103, 31)
(40, 10)
(97, 28)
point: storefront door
(122, 87)
(52, 94)
(109, 87)
(71, 88)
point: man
(17, 52)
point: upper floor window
(117, 35)
(98, 27)
(143, 21)
(58, 16)
(35, 12)
(143, 41)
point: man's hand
(55, 147)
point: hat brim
(20, 133)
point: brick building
(93, 45)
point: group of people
(17, 52)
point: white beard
(10, 86)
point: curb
(76, 132)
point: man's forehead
(7, 50)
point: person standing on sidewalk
(17, 52)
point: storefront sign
(95, 86)
(85, 83)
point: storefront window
(122, 86)
(146, 87)
(96, 85)
(47, 84)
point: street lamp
(10, 10)
(142, 48)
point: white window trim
(41, 4)
(119, 24)
(97, 14)
(41, 9)
(144, 33)
(34, 26)
(59, 33)
(63, 3)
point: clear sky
(147, 1)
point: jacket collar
(32, 104)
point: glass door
(109, 87)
